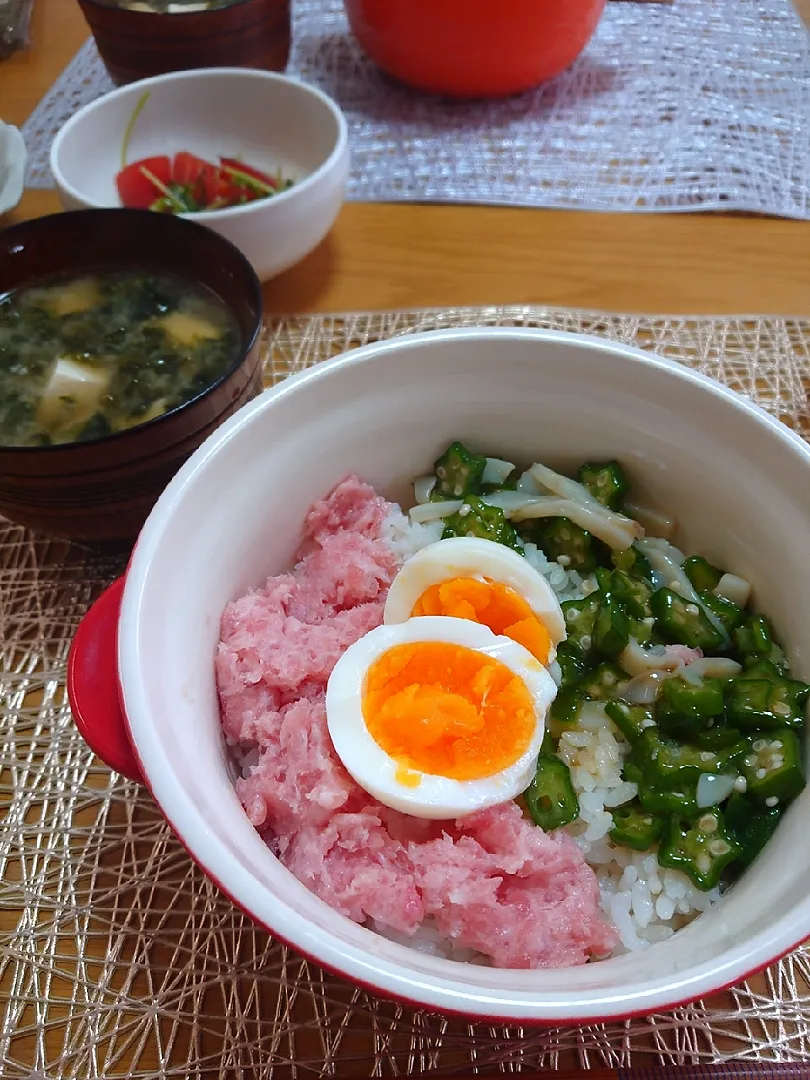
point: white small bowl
(269, 121)
(732, 475)
(13, 157)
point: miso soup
(86, 356)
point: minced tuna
(492, 882)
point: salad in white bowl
(13, 157)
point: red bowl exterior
(92, 684)
(103, 490)
(137, 44)
(474, 48)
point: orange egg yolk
(497, 606)
(447, 710)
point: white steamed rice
(645, 902)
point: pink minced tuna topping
(492, 882)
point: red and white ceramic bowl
(735, 478)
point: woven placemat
(119, 958)
(697, 104)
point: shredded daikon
(435, 511)
(422, 488)
(497, 471)
(733, 588)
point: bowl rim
(246, 345)
(209, 217)
(11, 189)
(393, 979)
(182, 14)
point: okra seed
(750, 761)
(704, 863)
(692, 609)
(741, 785)
(708, 823)
(761, 774)
(771, 801)
(760, 744)
(706, 755)
(776, 745)
(464, 511)
(719, 847)
(777, 761)
(781, 708)
(458, 489)
(564, 560)
(585, 642)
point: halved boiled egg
(437, 716)
(468, 578)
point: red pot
(474, 48)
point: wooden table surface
(381, 256)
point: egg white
(437, 797)
(468, 556)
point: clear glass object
(15, 22)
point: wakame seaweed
(86, 356)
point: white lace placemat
(699, 104)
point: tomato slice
(206, 183)
(190, 171)
(188, 168)
(248, 170)
(135, 189)
(216, 186)
(222, 191)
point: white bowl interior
(271, 122)
(736, 481)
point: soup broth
(86, 356)
(171, 7)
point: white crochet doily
(699, 104)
